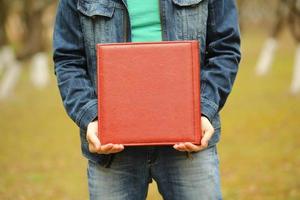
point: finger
(191, 147)
(117, 148)
(180, 147)
(207, 135)
(195, 148)
(104, 149)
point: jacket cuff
(208, 108)
(88, 113)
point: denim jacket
(81, 24)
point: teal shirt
(145, 20)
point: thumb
(207, 134)
(207, 131)
(93, 139)
(92, 135)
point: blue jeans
(178, 175)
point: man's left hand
(207, 133)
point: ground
(40, 156)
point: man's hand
(94, 143)
(207, 133)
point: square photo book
(149, 93)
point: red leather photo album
(149, 93)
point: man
(115, 172)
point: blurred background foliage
(40, 155)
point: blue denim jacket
(81, 24)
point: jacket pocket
(101, 21)
(93, 8)
(186, 2)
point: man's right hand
(94, 142)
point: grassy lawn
(40, 156)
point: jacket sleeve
(222, 56)
(75, 85)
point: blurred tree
(294, 19)
(33, 38)
(240, 6)
(32, 46)
(288, 14)
(3, 16)
(256, 11)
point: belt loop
(110, 158)
(189, 155)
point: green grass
(40, 154)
